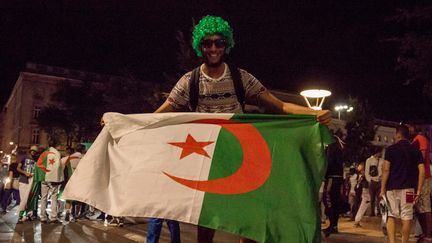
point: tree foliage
(360, 127)
(77, 107)
(74, 112)
(414, 37)
(186, 57)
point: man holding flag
(253, 175)
(218, 91)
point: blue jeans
(154, 228)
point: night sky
(289, 45)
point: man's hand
(29, 175)
(417, 196)
(324, 116)
(382, 194)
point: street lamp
(11, 143)
(340, 108)
(317, 94)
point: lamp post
(317, 94)
(340, 108)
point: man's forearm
(290, 108)
(421, 179)
(384, 180)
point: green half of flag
(285, 208)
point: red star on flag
(51, 161)
(192, 146)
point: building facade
(32, 91)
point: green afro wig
(210, 25)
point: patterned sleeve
(179, 96)
(253, 87)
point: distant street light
(340, 108)
(317, 94)
(11, 143)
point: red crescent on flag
(254, 171)
(40, 161)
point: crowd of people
(398, 176)
(36, 181)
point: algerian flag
(253, 175)
(49, 167)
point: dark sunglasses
(219, 43)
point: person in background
(50, 171)
(363, 188)
(71, 163)
(373, 172)
(352, 180)
(402, 182)
(333, 185)
(423, 205)
(12, 187)
(26, 170)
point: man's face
(213, 49)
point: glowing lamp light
(11, 143)
(315, 94)
(340, 108)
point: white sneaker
(93, 215)
(113, 222)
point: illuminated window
(35, 136)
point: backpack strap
(194, 89)
(238, 85)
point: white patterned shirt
(216, 95)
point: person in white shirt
(72, 161)
(373, 172)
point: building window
(35, 136)
(378, 138)
(36, 111)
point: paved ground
(95, 231)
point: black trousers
(374, 191)
(332, 199)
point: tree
(74, 113)
(185, 56)
(414, 37)
(361, 130)
(77, 107)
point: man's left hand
(324, 116)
